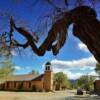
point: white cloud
(83, 47)
(69, 74)
(87, 68)
(93, 73)
(13, 53)
(80, 65)
(90, 61)
(84, 68)
(74, 75)
(18, 68)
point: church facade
(30, 82)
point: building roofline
(20, 78)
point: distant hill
(73, 81)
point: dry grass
(33, 95)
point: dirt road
(61, 95)
(34, 95)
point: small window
(48, 67)
(21, 85)
(14, 84)
(7, 84)
(29, 85)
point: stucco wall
(48, 80)
(97, 86)
(38, 84)
(25, 85)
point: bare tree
(86, 27)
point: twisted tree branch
(85, 26)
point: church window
(48, 67)
(15, 84)
(7, 85)
(29, 85)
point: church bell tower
(48, 77)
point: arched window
(48, 67)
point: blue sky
(74, 59)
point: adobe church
(30, 82)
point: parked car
(79, 92)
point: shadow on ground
(92, 97)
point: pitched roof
(38, 78)
(97, 80)
(26, 77)
(2, 81)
